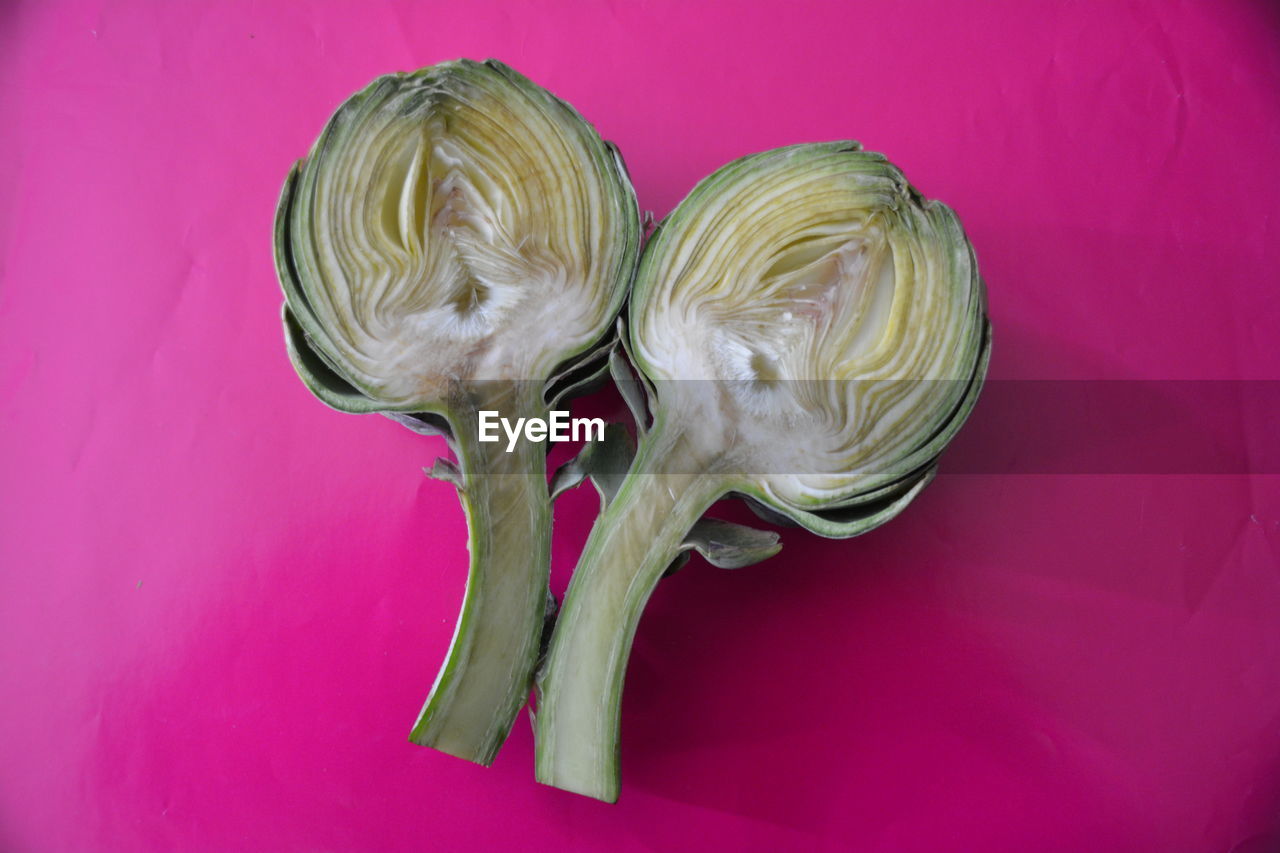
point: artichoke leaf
(319, 377)
(632, 390)
(603, 462)
(727, 545)
(843, 523)
(446, 470)
(422, 423)
(636, 389)
(584, 374)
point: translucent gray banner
(1017, 427)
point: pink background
(221, 603)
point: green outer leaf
(604, 462)
(635, 390)
(836, 525)
(423, 423)
(446, 471)
(726, 545)
(582, 375)
(320, 378)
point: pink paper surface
(221, 604)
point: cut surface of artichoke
(814, 332)
(459, 239)
(458, 222)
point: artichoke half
(457, 240)
(809, 333)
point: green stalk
(485, 679)
(631, 545)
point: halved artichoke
(459, 239)
(810, 333)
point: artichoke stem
(630, 546)
(485, 678)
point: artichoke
(457, 240)
(809, 333)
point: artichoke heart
(832, 323)
(456, 223)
